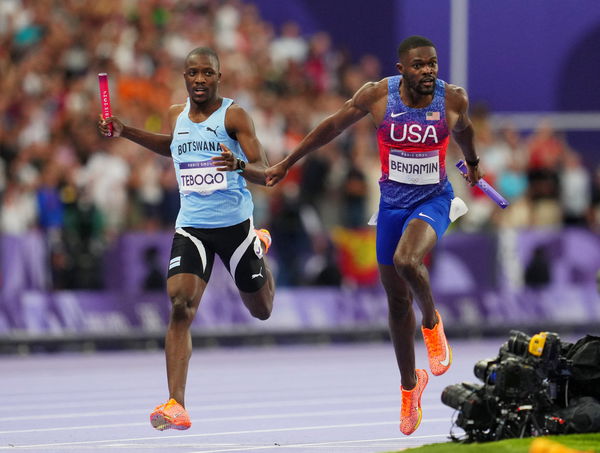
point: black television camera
(520, 387)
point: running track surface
(310, 398)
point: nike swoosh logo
(446, 360)
(425, 215)
(396, 115)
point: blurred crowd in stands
(59, 176)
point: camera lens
(485, 370)
(518, 343)
(455, 395)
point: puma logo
(257, 275)
(214, 131)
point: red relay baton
(105, 97)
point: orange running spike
(410, 412)
(438, 351)
(170, 415)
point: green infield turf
(582, 442)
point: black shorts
(193, 252)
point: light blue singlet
(209, 198)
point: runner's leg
(402, 324)
(260, 303)
(417, 240)
(185, 292)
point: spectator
(512, 180)
(289, 47)
(354, 195)
(154, 279)
(575, 191)
(19, 209)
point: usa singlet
(412, 148)
(209, 198)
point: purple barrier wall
(529, 277)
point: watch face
(242, 164)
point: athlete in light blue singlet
(209, 198)
(414, 115)
(215, 151)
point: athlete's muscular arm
(462, 129)
(353, 110)
(159, 143)
(239, 126)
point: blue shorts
(392, 221)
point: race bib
(415, 168)
(201, 177)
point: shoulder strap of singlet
(226, 103)
(439, 100)
(393, 88)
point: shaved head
(412, 42)
(204, 51)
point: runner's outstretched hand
(104, 129)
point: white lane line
(212, 407)
(111, 401)
(338, 443)
(108, 442)
(198, 421)
(73, 428)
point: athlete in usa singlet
(416, 202)
(209, 198)
(412, 148)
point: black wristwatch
(240, 166)
(472, 163)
